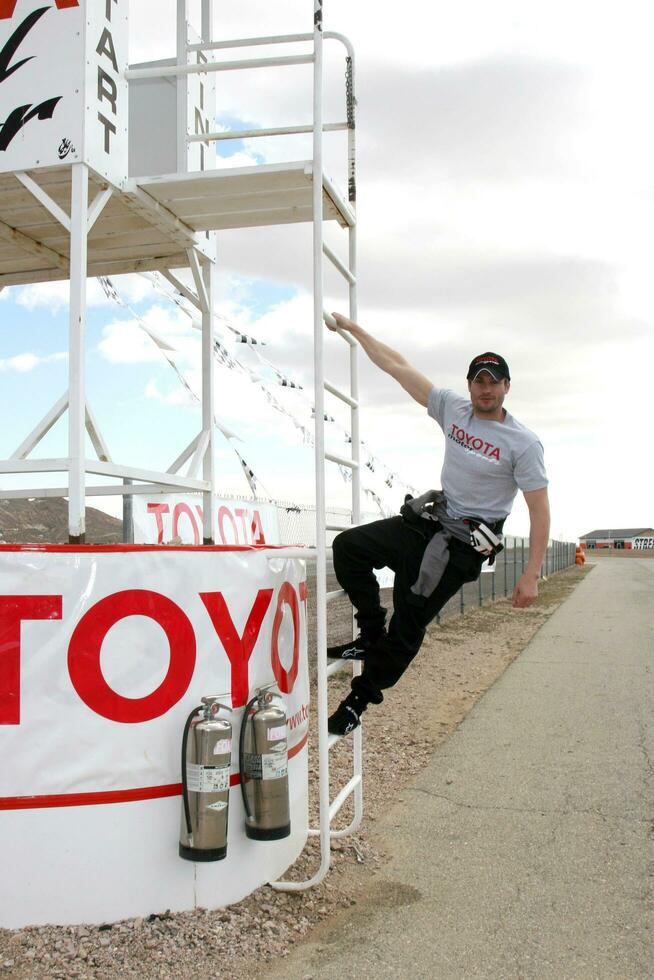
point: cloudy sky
(505, 164)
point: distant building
(626, 537)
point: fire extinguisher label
(223, 746)
(273, 766)
(277, 734)
(207, 779)
(267, 766)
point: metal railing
(501, 579)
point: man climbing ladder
(442, 538)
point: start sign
(104, 651)
(63, 94)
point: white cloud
(124, 342)
(22, 363)
(177, 397)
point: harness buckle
(485, 541)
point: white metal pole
(319, 380)
(182, 86)
(356, 498)
(321, 550)
(208, 274)
(76, 353)
(207, 21)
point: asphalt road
(525, 848)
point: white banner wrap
(166, 517)
(103, 654)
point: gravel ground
(459, 661)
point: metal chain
(350, 101)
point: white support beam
(77, 351)
(106, 490)
(104, 267)
(33, 466)
(147, 476)
(96, 438)
(188, 452)
(198, 280)
(32, 247)
(138, 200)
(45, 199)
(198, 456)
(181, 287)
(43, 427)
(100, 201)
(208, 396)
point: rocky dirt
(459, 661)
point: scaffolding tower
(89, 207)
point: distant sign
(642, 544)
(168, 518)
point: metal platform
(152, 221)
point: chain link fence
(297, 526)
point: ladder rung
(248, 42)
(352, 402)
(331, 322)
(241, 134)
(337, 594)
(342, 461)
(343, 795)
(337, 527)
(336, 665)
(342, 268)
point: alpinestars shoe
(344, 720)
(353, 649)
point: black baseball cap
(493, 363)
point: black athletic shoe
(344, 720)
(353, 649)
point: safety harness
(486, 539)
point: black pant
(400, 546)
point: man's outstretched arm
(417, 385)
(526, 590)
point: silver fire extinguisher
(263, 752)
(206, 763)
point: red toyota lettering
(13, 610)
(224, 512)
(238, 648)
(286, 678)
(159, 510)
(86, 645)
(184, 509)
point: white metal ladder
(328, 809)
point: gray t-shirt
(486, 463)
